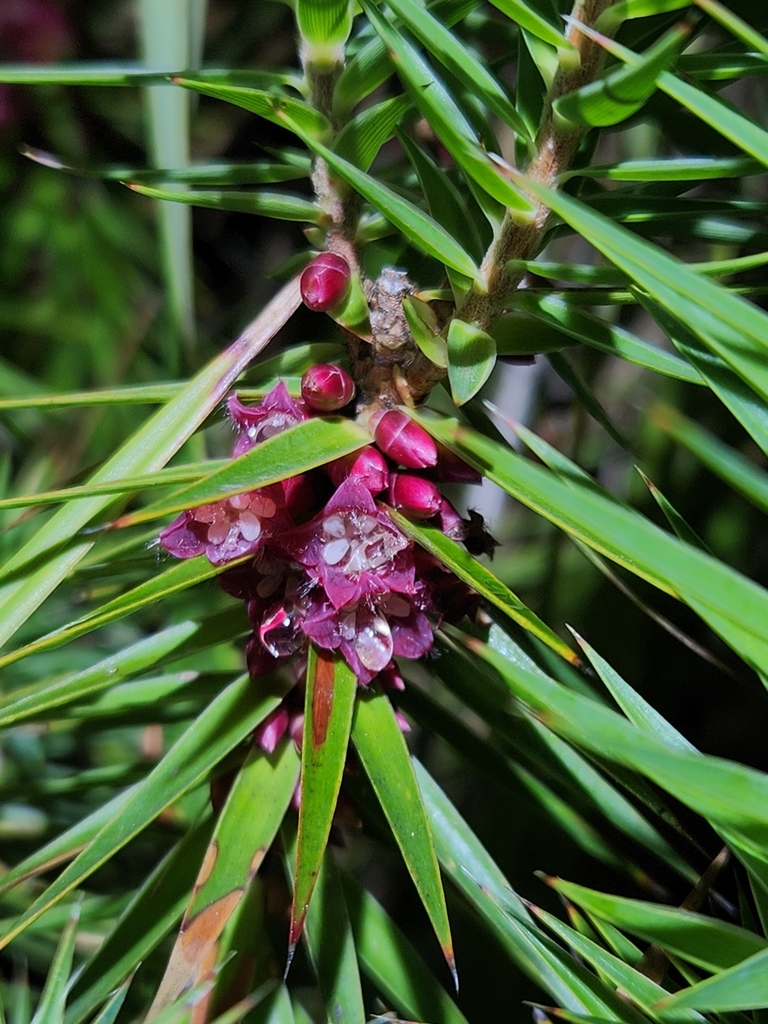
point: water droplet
(373, 644)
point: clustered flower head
(326, 562)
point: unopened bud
(326, 388)
(368, 467)
(325, 281)
(405, 441)
(414, 496)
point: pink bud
(405, 441)
(367, 466)
(414, 496)
(451, 523)
(327, 388)
(325, 281)
(272, 729)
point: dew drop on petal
(335, 550)
(206, 514)
(373, 644)
(250, 527)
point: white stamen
(334, 551)
(240, 501)
(334, 526)
(218, 532)
(250, 527)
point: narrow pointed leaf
(471, 359)
(481, 579)
(624, 90)
(329, 940)
(263, 204)
(705, 941)
(179, 577)
(527, 17)
(423, 324)
(631, 982)
(155, 908)
(730, 326)
(112, 1008)
(360, 140)
(735, 606)
(731, 466)
(387, 763)
(393, 964)
(244, 831)
(691, 168)
(148, 449)
(435, 37)
(444, 115)
(312, 443)
(595, 332)
(224, 724)
(743, 987)
(420, 229)
(50, 1009)
(283, 110)
(330, 699)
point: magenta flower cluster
(326, 563)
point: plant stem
(556, 145)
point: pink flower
(370, 633)
(352, 549)
(226, 530)
(275, 413)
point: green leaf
(47, 557)
(593, 331)
(689, 168)
(220, 173)
(392, 963)
(244, 832)
(624, 90)
(224, 724)
(325, 25)
(360, 140)
(424, 328)
(752, 39)
(387, 763)
(632, 983)
(705, 941)
(435, 37)
(625, 10)
(471, 359)
(296, 116)
(330, 700)
(735, 606)
(179, 577)
(309, 444)
(731, 796)
(732, 467)
(481, 579)
(421, 230)
(330, 942)
(445, 117)
(155, 908)
(130, 74)
(728, 325)
(482, 884)
(50, 1009)
(527, 17)
(263, 204)
(744, 987)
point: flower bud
(414, 496)
(326, 388)
(325, 281)
(367, 466)
(405, 441)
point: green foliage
(549, 191)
